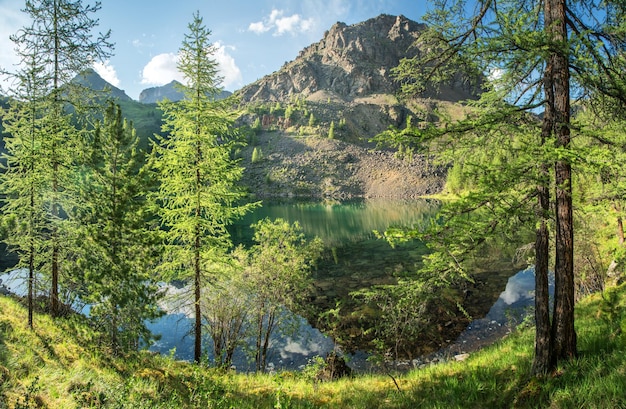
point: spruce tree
(198, 193)
(113, 236)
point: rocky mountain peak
(91, 79)
(382, 40)
(350, 61)
(171, 92)
(155, 94)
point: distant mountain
(352, 62)
(91, 79)
(156, 94)
(170, 91)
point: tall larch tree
(61, 35)
(533, 56)
(199, 194)
(23, 179)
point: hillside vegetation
(60, 365)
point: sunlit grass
(59, 365)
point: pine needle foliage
(114, 234)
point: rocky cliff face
(349, 62)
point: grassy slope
(57, 365)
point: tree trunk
(198, 318)
(543, 361)
(620, 223)
(31, 279)
(563, 331)
(259, 338)
(54, 291)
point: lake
(354, 258)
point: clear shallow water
(513, 306)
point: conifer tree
(537, 53)
(198, 193)
(61, 36)
(114, 240)
(23, 179)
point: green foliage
(115, 239)
(60, 366)
(256, 126)
(524, 58)
(276, 109)
(257, 155)
(145, 118)
(289, 111)
(613, 314)
(277, 270)
(199, 194)
(57, 45)
(331, 130)
(405, 312)
(226, 313)
(311, 120)
(24, 182)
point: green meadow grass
(60, 365)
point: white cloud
(258, 27)
(496, 73)
(107, 72)
(161, 70)
(282, 24)
(227, 66)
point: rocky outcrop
(350, 62)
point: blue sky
(254, 37)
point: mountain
(169, 91)
(156, 94)
(351, 62)
(344, 82)
(91, 79)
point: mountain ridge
(170, 91)
(353, 61)
(91, 79)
